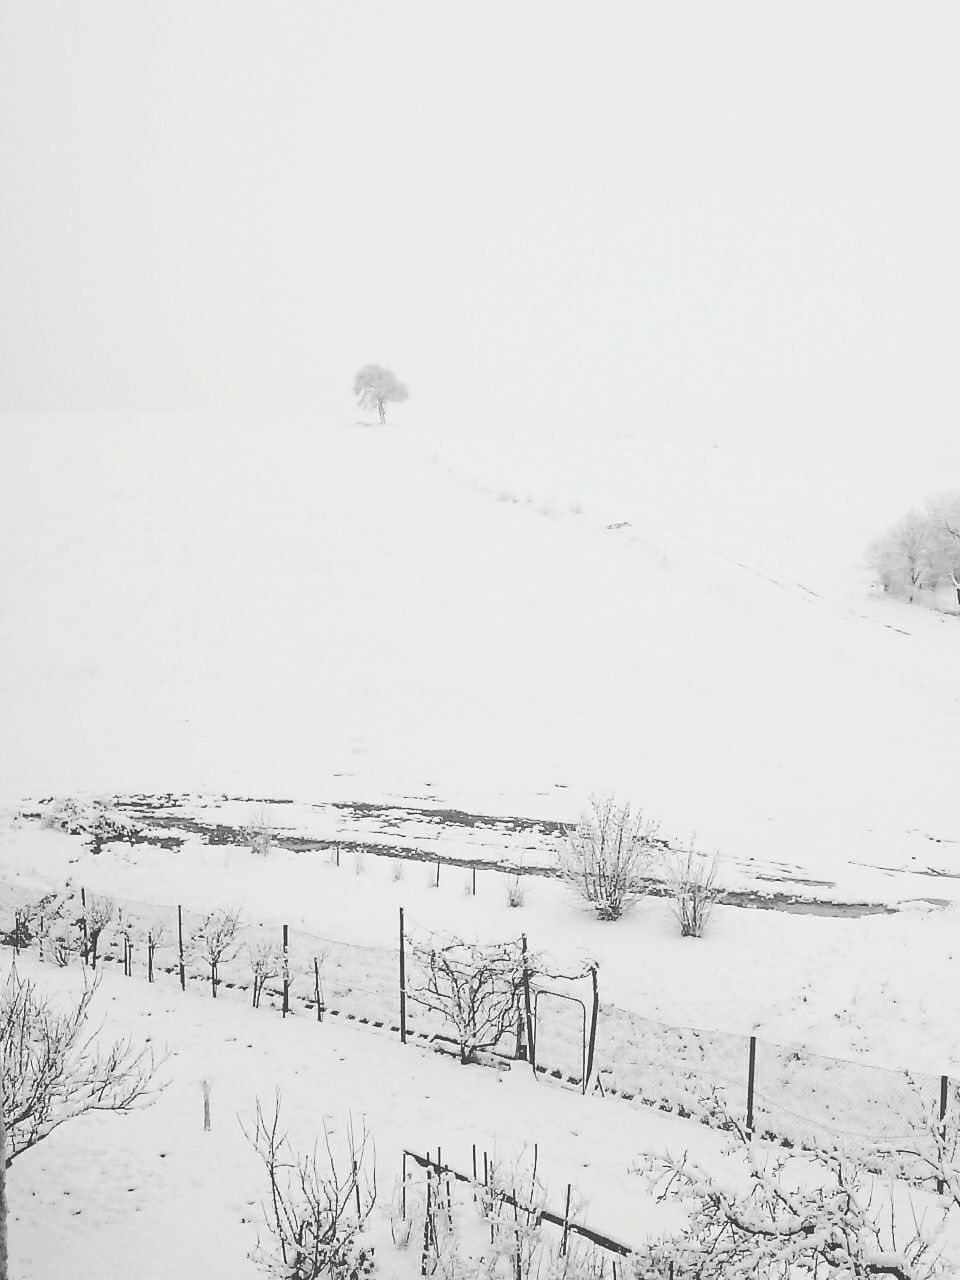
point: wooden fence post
(751, 1074)
(183, 971)
(592, 1042)
(86, 940)
(316, 988)
(403, 984)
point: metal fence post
(183, 972)
(403, 985)
(943, 1125)
(528, 1012)
(286, 972)
(751, 1073)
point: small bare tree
(51, 1070)
(217, 938)
(317, 1208)
(691, 879)
(264, 964)
(62, 943)
(99, 912)
(476, 989)
(608, 856)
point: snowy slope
(254, 606)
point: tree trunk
(3, 1191)
(383, 412)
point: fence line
(785, 1094)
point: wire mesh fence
(783, 1093)
(810, 1100)
(672, 1068)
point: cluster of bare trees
(922, 551)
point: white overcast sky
(719, 221)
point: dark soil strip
(155, 810)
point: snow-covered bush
(607, 858)
(691, 879)
(781, 1217)
(317, 1206)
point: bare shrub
(606, 859)
(52, 1071)
(691, 878)
(259, 833)
(217, 938)
(402, 1215)
(475, 988)
(317, 1207)
(516, 892)
(396, 873)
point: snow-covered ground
(341, 613)
(252, 607)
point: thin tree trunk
(3, 1190)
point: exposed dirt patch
(164, 821)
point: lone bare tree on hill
(375, 387)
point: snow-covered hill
(498, 621)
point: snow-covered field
(324, 614)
